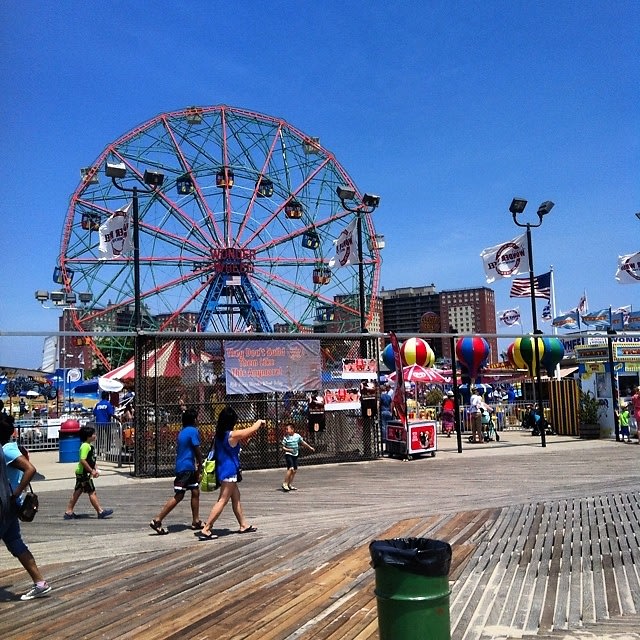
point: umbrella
(417, 373)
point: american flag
(520, 287)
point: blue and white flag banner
(629, 269)
(546, 313)
(509, 317)
(256, 366)
(600, 319)
(566, 321)
(633, 321)
(506, 259)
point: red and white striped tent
(168, 361)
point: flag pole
(553, 314)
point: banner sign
(257, 366)
(590, 354)
(341, 399)
(506, 259)
(359, 368)
(626, 351)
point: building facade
(466, 311)
(469, 311)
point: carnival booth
(412, 435)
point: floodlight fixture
(70, 298)
(57, 297)
(345, 193)
(638, 215)
(545, 207)
(517, 205)
(41, 295)
(115, 169)
(85, 297)
(370, 200)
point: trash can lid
(70, 426)
(423, 556)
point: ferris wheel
(237, 237)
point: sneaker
(36, 592)
(105, 513)
(292, 488)
(285, 487)
(70, 516)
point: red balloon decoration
(416, 351)
(472, 353)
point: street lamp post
(368, 204)
(517, 206)
(153, 179)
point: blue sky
(445, 109)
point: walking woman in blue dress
(227, 447)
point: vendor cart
(416, 438)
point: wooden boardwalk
(562, 564)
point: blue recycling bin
(69, 441)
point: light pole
(517, 206)
(368, 204)
(153, 179)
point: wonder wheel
(237, 237)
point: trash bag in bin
(412, 588)
(421, 556)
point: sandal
(196, 526)
(205, 536)
(249, 529)
(156, 525)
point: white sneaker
(36, 592)
(285, 487)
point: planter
(589, 431)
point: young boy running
(291, 447)
(86, 471)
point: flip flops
(196, 526)
(156, 525)
(250, 529)
(205, 536)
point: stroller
(489, 432)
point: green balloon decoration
(553, 354)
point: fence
(37, 435)
(180, 369)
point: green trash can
(412, 588)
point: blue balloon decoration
(388, 357)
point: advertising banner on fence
(259, 366)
